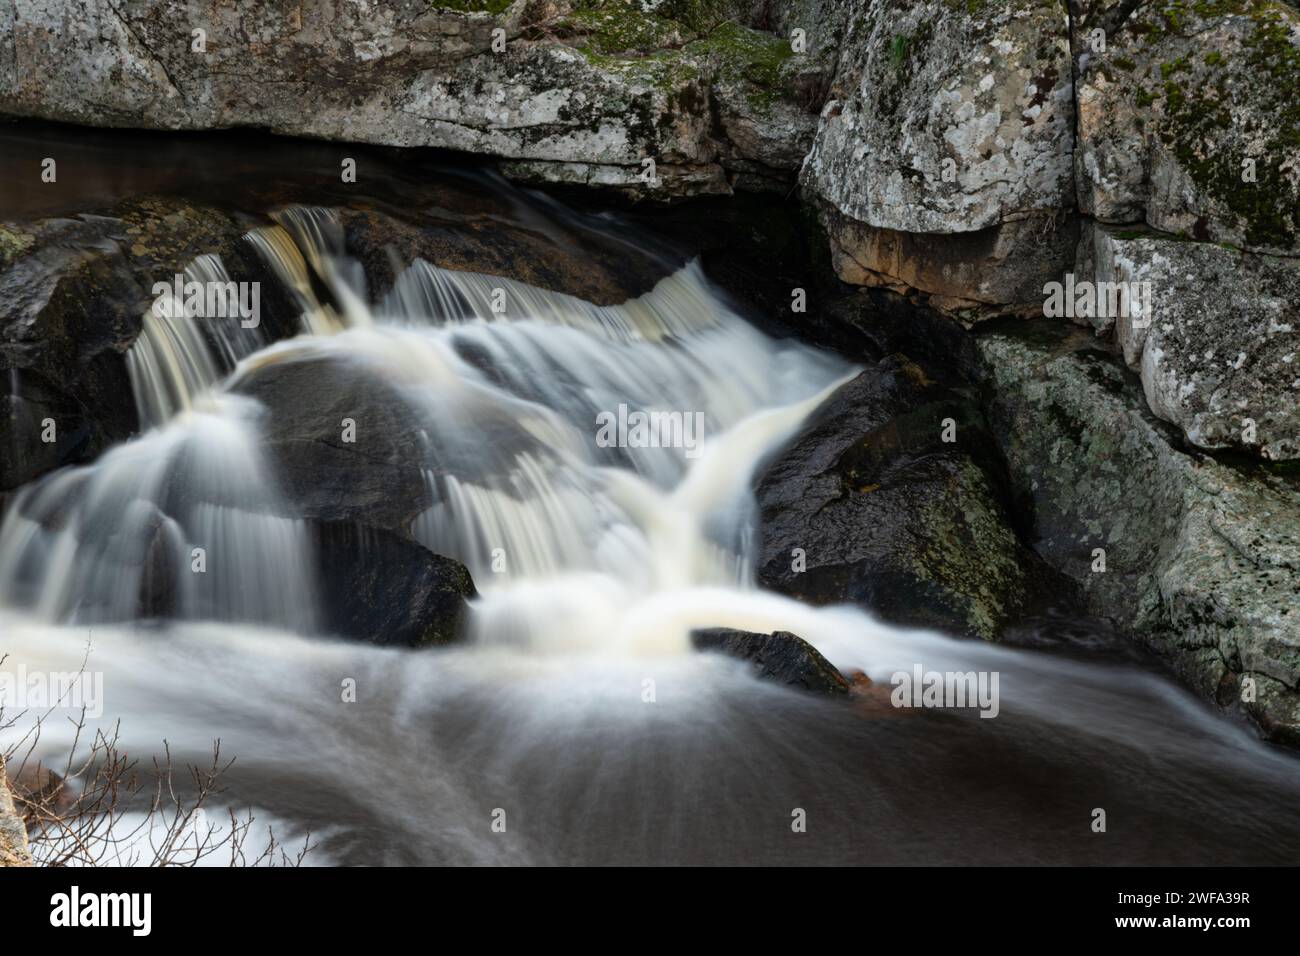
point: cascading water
(180, 354)
(594, 560)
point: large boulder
(1218, 345)
(948, 137)
(567, 90)
(1188, 118)
(487, 237)
(1197, 558)
(870, 504)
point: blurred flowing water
(593, 562)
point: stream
(575, 710)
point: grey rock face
(1219, 355)
(1201, 559)
(569, 91)
(1188, 118)
(947, 121)
(919, 85)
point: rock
(73, 292)
(376, 480)
(969, 275)
(765, 103)
(888, 515)
(381, 588)
(944, 122)
(1181, 98)
(491, 239)
(1201, 557)
(14, 850)
(1219, 355)
(823, 22)
(579, 91)
(403, 440)
(780, 656)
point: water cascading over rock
(459, 412)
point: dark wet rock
(780, 656)
(869, 505)
(385, 589)
(73, 292)
(1201, 555)
(540, 253)
(374, 480)
(159, 577)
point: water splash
(503, 385)
(184, 521)
(180, 355)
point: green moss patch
(746, 55)
(1199, 92)
(475, 6)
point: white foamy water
(576, 707)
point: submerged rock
(870, 505)
(381, 588)
(780, 656)
(374, 479)
(1199, 559)
(492, 239)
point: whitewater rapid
(593, 564)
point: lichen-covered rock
(1200, 560)
(1189, 119)
(985, 86)
(870, 504)
(1219, 353)
(570, 90)
(14, 850)
(948, 118)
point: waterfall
(506, 387)
(181, 352)
(183, 521)
(597, 542)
